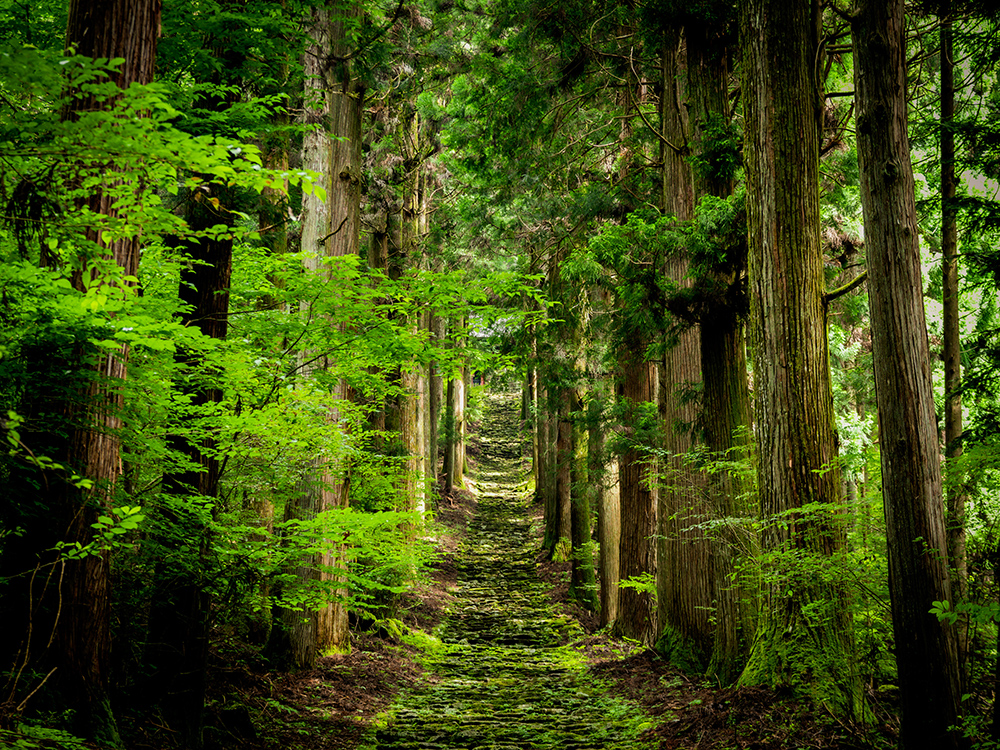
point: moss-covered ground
(503, 677)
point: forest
(264, 262)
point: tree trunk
(461, 396)
(449, 438)
(638, 511)
(804, 637)
(684, 572)
(926, 649)
(436, 398)
(605, 499)
(546, 468)
(126, 29)
(455, 423)
(564, 480)
(954, 480)
(725, 406)
(583, 580)
(410, 428)
(179, 613)
(333, 101)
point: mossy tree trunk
(804, 638)
(583, 581)
(564, 477)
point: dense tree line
(736, 255)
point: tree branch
(848, 287)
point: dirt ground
(330, 707)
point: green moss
(562, 550)
(681, 651)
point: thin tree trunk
(449, 438)
(436, 399)
(636, 612)
(564, 480)
(583, 582)
(951, 318)
(461, 396)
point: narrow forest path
(503, 680)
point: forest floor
(490, 653)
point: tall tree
(331, 224)
(926, 649)
(126, 30)
(725, 403)
(804, 636)
(684, 591)
(955, 491)
(637, 552)
(336, 78)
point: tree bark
(804, 637)
(637, 377)
(725, 406)
(583, 580)
(608, 511)
(126, 29)
(954, 481)
(564, 481)
(684, 572)
(926, 649)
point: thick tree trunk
(926, 649)
(684, 571)
(344, 94)
(333, 102)
(725, 406)
(126, 29)
(804, 638)
(179, 614)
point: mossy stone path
(503, 681)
